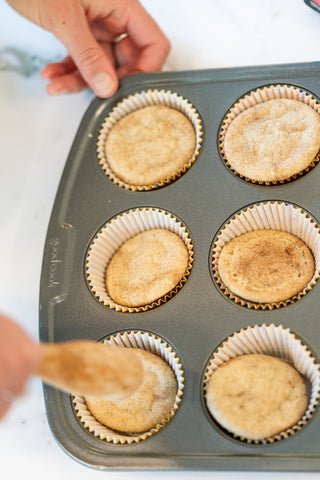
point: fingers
(64, 77)
(6, 398)
(148, 37)
(144, 48)
(53, 70)
(126, 54)
(19, 357)
(106, 21)
(66, 84)
(83, 26)
(95, 67)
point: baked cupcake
(267, 256)
(149, 140)
(148, 410)
(266, 266)
(150, 144)
(256, 396)
(272, 135)
(146, 267)
(145, 408)
(262, 384)
(139, 260)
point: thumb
(90, 59)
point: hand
(89, 29)
(19, 358)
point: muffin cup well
(155, 345)
(275, 341)
(116, 232)
(136, 102)
(273, 216)
(259, 96)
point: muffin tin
(199, 317)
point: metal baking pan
(199, 317)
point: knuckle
(89, 57)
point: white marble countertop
(36, 135)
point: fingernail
(54, 93)
(45, 76)
(103, 84)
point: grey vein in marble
(16, 60)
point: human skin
(89, 29)
(19, 359)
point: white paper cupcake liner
(261, 95)
(279, 342)
(118, 231)
(136, 102)
(273, 216)
(155, 345)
